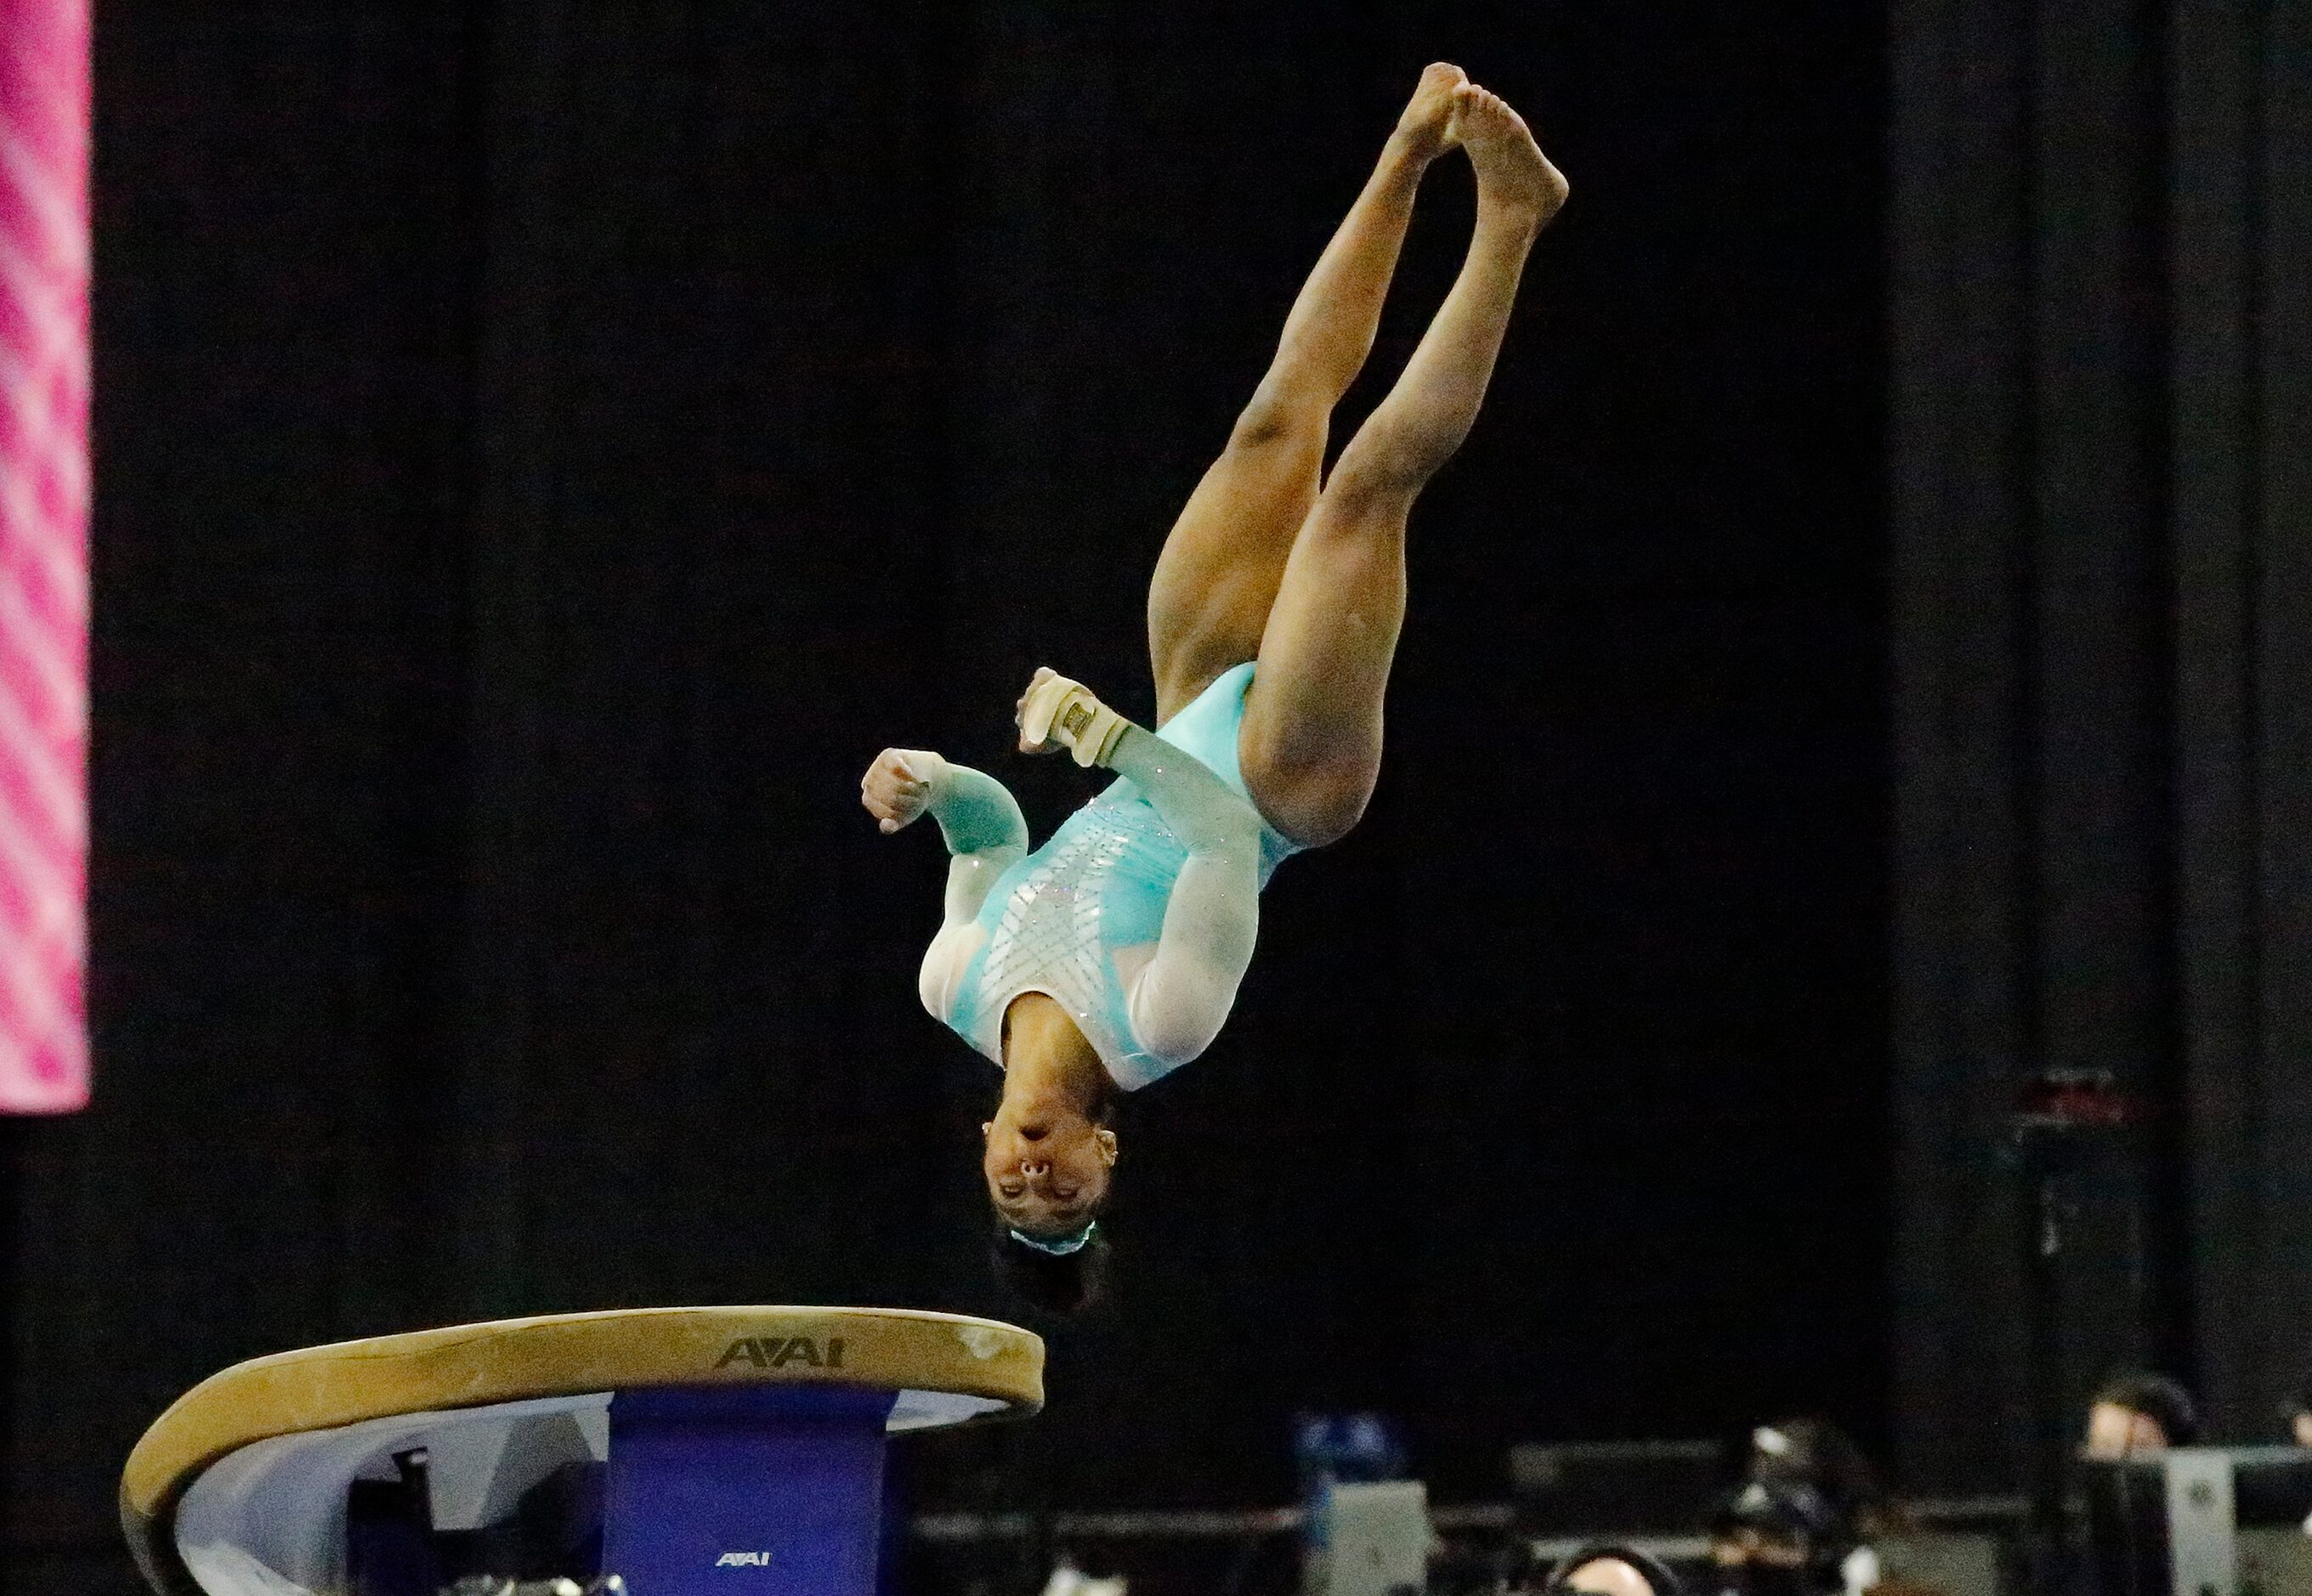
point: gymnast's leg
(1219, 571)
(1311, 739)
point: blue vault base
(751, 1491)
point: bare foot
(1511, 171)
(1427, 125)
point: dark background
(543, 455)
(2100, 425)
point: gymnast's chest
(1100, 884)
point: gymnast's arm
(977, 816)
(1179, 1001)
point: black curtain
(544, 452)
(2101, 246)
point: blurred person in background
(1608, 1569)
(2300, 1415)
(1802, 1518)
(2141, 1416)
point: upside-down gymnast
(1110, 956)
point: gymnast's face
(1047, 1170)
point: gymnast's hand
(1057, 712)
(897, 786)
(1044, 673)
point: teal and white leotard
(1138, 916)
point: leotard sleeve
(1180, 998)
(986, 835)
(981, 824)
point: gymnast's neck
(1048, 1064)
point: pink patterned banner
(43, 553)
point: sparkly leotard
(1079, 918)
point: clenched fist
(897, 786)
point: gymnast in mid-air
(1110, 956)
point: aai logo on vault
(777, 1352)
(743, 1560)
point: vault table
(737, 1451)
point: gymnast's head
(1048, 1155)
(1049, 1165)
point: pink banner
(43, 553)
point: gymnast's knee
(1281, 416)
(1330, 818)
(1316, 804)
(1373, 475)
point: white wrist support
(1059, 711)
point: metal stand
(2065, 1119)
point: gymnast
(1110, 957)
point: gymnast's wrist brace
(1066, 712)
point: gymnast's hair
(1065, 1284)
